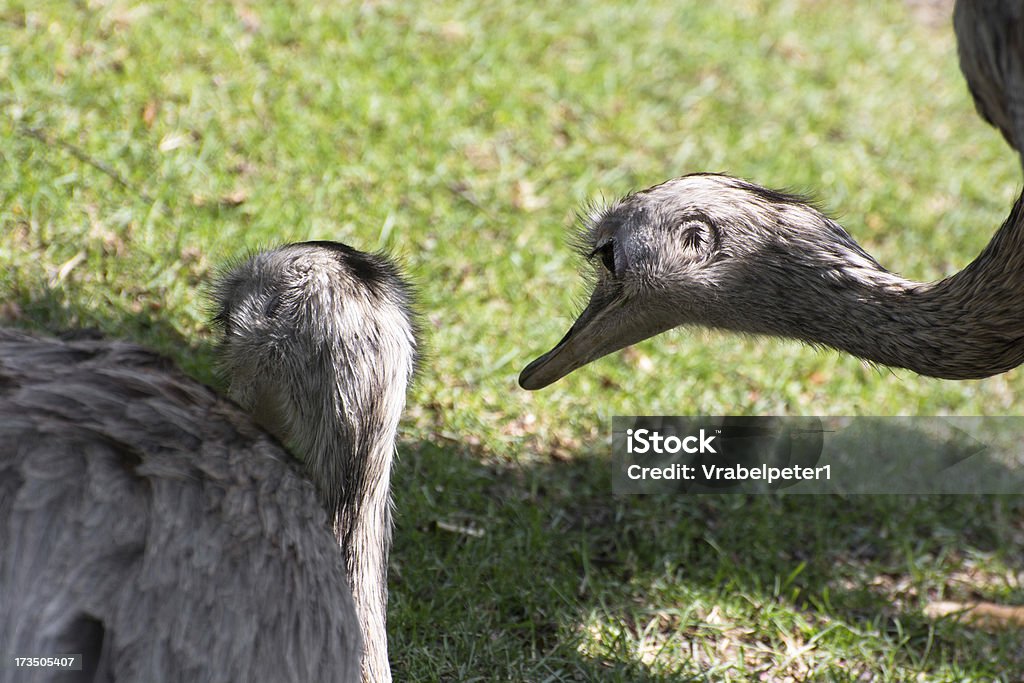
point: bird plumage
(720, 252)
(724, 253)
(990, 43)
(155, 527)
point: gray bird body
(990, 42)
(720, 252)
(156, 528)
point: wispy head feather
(583, 235)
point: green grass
(462, 136)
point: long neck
(352, 468)
(967, 326)
(366, 559)
(320, 345)
(362, 525)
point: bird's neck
(967, 326)
(355, 479)
(362, 525)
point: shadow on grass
(61, 311)
(525, 563)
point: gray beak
(567, 355)
(608, 324)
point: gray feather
(157, 528)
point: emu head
(701, 249)
(319, 345)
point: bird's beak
(607, 324)
(556, 363)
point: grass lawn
(144, 144)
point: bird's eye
(607, 253)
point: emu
(717, 251)
(721, 252)
(161, 531)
